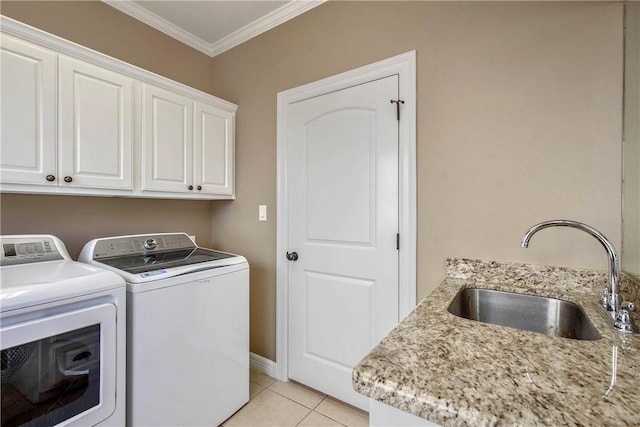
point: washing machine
(187, 327)
(62, 337)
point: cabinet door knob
(68, 179)
(199, 187)
(190, 187)
(51, 178)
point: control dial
(150, 244)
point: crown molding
(264, 24)
(144, 15)
(257, 27)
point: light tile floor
(277, 404)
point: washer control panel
(141, 244)
(29, 249)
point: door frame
(404, 65)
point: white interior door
(342, 182)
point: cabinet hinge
(398, 241)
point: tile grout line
(326, 396)
(339, 401)
(327, 416)
(323, 399)
(275, 392)
(305, 417)
(306, 407)
(295, 401)
(289, 399)
(321, 414)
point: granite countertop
(454, 371)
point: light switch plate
(262, 212)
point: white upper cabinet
(187, 145)
(75, 121)
(28, 110)
(95, 126)
(167, 141)
(214, 150)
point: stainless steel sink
(549, 316)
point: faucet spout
(611, 297)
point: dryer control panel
(26, 249)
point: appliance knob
(68, 179)
(51, 178)
(149, 244)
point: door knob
(292, 256)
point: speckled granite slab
(454, 371)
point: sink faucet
(610, 299)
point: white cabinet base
(382, 415)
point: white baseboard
(263, 365)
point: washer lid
(143, 263)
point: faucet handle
(624, 322)
(604, 298)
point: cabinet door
(28, 111)
(214, 150)
(95, 126)
(167, 141)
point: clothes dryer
(62, 336)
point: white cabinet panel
(28, 110)
(167, 141)
(214, 150)
(95, 126)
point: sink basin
(549, 316)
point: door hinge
(397, 102)
(398, 241)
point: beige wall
(78, 219)
(519, 112)
(631, 166)
(519, 118)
